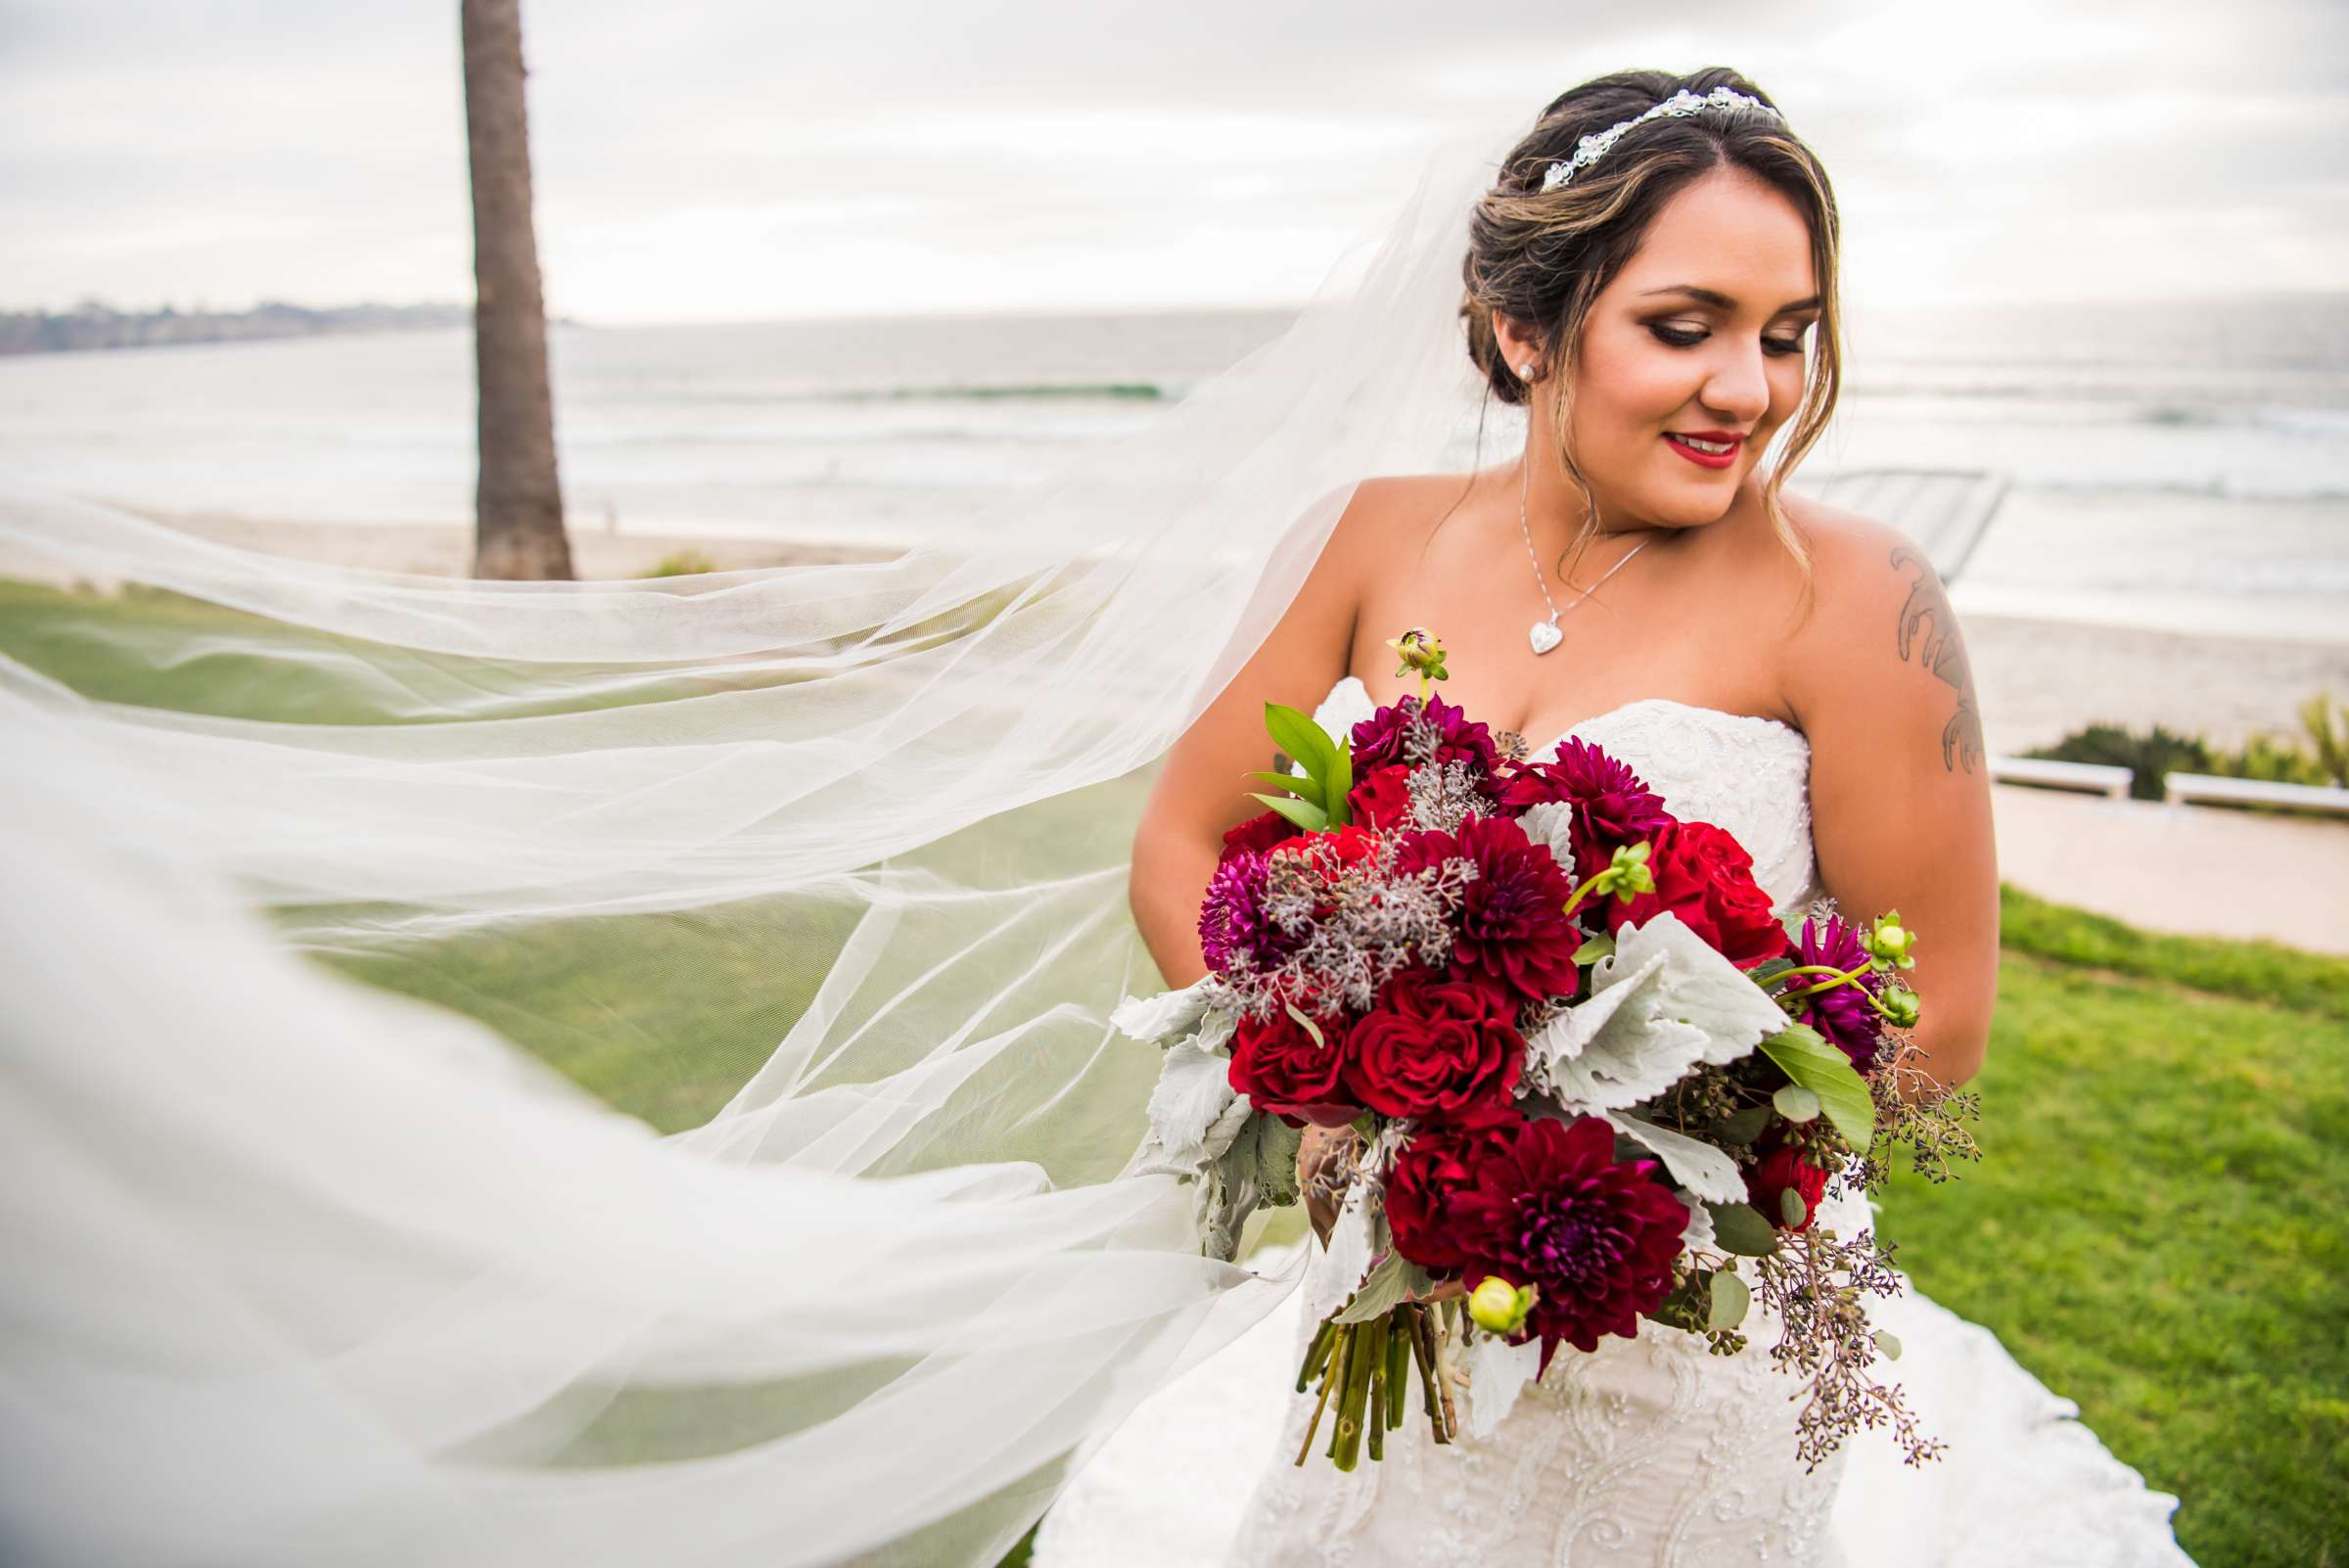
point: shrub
(2149, 754)
(683, 564)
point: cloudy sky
(736, 159)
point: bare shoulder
(1882, 630)
(1391, 510)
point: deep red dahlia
(1612, 805)
(1555, 1210)
(1284, 1071)
(1513, 928)
(1378, 739)
(1843, 1015)
(1435, 1046)
(1704, 876)
(1436, 1165)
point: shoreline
(2037, 677)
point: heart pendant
(1544, 635)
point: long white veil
(317, 1251)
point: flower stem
(1398, 1365)
(1842, 976)
(1423, 1350)
(1346, 1443)
(1317, 1356)
(1332, 1374)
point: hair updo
(1542, 258)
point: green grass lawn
(2154, 1229)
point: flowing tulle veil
(817, 872)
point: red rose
(1434, 1046)
(1704, 876)
(1782, 1169)
(1383, 799)
(1348, 844)
(1283, 1070)
(1256, 833)
(1435, 1166)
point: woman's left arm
(1900, 784)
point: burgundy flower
(1378, 739)
(1595, 1238)
(1612, 805)
(1513, 927)
(1383, 799)
(1260, 832)
(1435, 1046)
(1704, 876)
(1434, 1168)
(1782, 1169)
(1232, 916)
(1843, 1015)
(1283, 1070)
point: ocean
(2181, 465)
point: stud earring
(1525, 372)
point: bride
(1656, 282)
(814, 883)
(1784, 670)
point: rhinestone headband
(1590, 149)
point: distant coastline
(95, 325)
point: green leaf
(1304, 789)
(1739, 1227)
(1746, 1126)
(1386, 1288)
(1685, 1306)
(1795, 1102)
(1599, 946)
(1305, 813)
(1296, 734)
(1731, 1299)
(1765, 973)
(1309, 1027)
(1275, 1143)
(1827, 1072)
(1339, 784)
(1791, 1205)
(1889, 1343)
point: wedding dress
(1650, 1452)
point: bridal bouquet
(1593, 1077)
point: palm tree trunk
(518, 504)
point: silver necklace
(1544, 634)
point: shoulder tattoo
(1928, 634)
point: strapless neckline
(1619, 709)
(1741, 772)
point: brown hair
(1542, 258)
